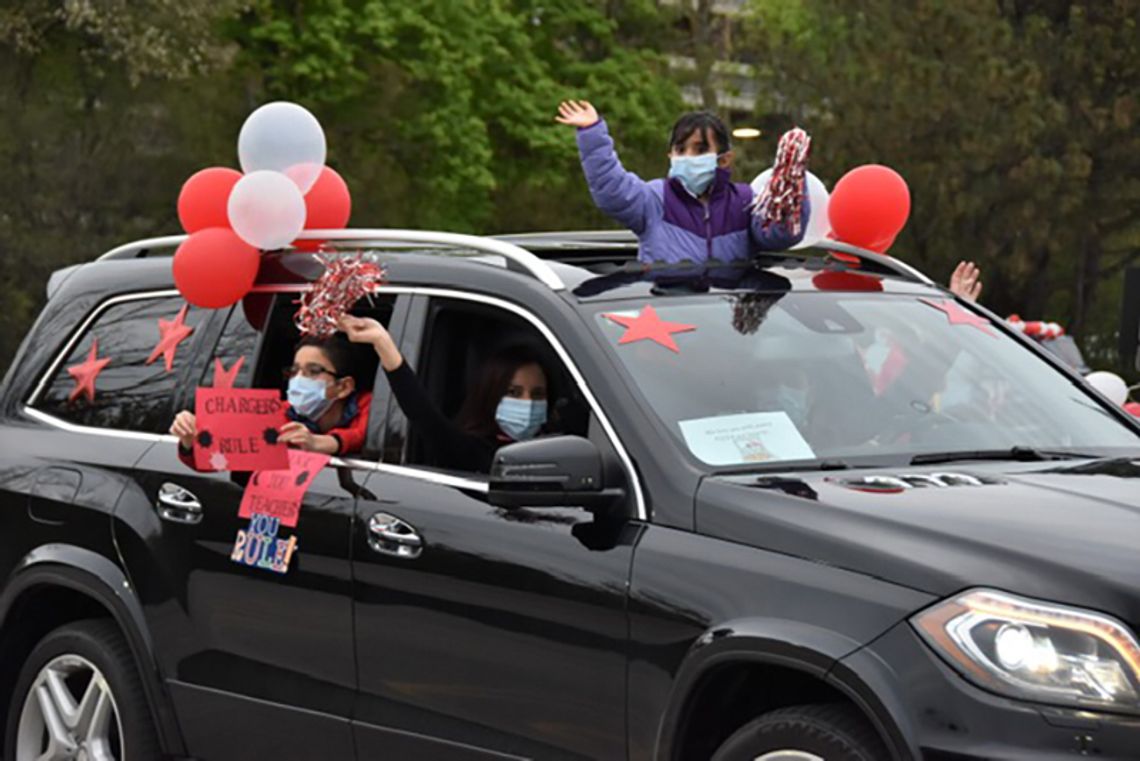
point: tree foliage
(1015, 124)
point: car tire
(81, 679)
(827, 732)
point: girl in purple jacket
(697, 213)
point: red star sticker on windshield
(224, 378)
(959, 316)
(647, 325)
(171, 333)
(86, 372)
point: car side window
(133, 390)
(462, 343)
(237, 343)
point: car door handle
(389, 535)
(178, 505)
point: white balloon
(1109, 384)
(283, 137)
(818, 226)
(266, 210)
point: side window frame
(412, 345)
(83, 327)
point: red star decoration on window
(171, 333)
(647, 325)
(86, 372)
(224, 378)
(959, 316)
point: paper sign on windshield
(237, 429)
(752, 437)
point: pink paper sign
(279, 493)
(237, 429)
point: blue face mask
(696, 173)
(521, 419)
(307, 397)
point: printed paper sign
(279, 493)
(745, 438)
(237, 429)
(259, 547)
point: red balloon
(214, 268)
(202, 202)
(832, 280)
(1133, 408)
(869, 205)
(328, 206)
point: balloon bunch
(868, 207)
(284, 187)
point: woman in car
(508, 402)
(326, 411)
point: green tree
(1013, 122)
(439, 129)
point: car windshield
(829, 378)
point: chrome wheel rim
(69, 714)
(789, 755)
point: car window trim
(563, 355)
(45, 380)
(404, 470)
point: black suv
(811, 507)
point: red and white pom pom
(346, 280)
(1042, 331)
(782, 201)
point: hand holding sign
(237, 430)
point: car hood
(1066, 532)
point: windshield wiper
(1017, 454)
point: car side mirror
(554, 471)
(1130, 322)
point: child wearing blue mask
(696, 213)
(508, 402)
(326, 411)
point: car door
(483, 632)
(259, 664)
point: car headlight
(1036, 650)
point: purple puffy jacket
(670, 223)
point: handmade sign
(259, 547)
(279, 493)
(237, 429)
(959, 316)
(86, 372)
(647, 325)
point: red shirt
(350, 437)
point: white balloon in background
(266, 210)
(818, 226)
(283, 137)
(1109, 384)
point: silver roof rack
(528, 262)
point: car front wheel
(805, 733)
(79, 698)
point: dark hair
(703, 122)
(477, 415)
(338, 349)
